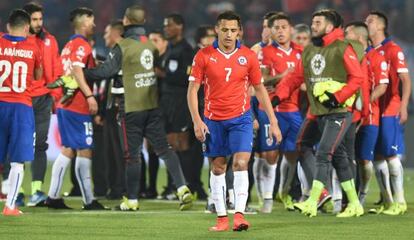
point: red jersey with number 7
(19, 57)
(226, 78)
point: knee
(240, 164)
(86, 153)
(218, 169)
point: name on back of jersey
(16, 52)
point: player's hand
(255, 124)
(98, 120)
(403, 114)
(275, 130)
(200, 130)
(331, 102)
(93, 105)
(287, 71)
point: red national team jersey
(278, 60)
(52, 65)
(390, 102)
(19, 57)
(227, 78)
(377, 72)
(77, 52)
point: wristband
(89, 96)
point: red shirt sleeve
(286, 87)
(255, 75)
(355, 75)
(198, 68)
(80, 54)
(38, 57)
(397, 60)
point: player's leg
(66, 128)
(395, 167)
(240, 139)
(365, 147)
(290, 125)
(42, 107)
(333, 128)
(308, 137)
(19, 147)
(265, 168)
(387, 142)
(155, 134)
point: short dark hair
(229, 15)
(278, 16)
(158, 32)
(117, 24)
(301, 27)
(268, 15)
(18, 18)
(32, 7)
(177, 18)
(331, 16)
(360, 25)
(135, 14)
(80, 11)
(383, 18)
(202, 31)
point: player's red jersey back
(278, 60)
(19, 57)
(226, 79)
(390, 102)
(77, 52)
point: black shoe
(114, 196)
(74, 192)
(168, 194)
(149, 195)
(56, 203)
(95, 205)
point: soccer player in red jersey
(20, 63)
(74, 118)
(42, 98)
(393, 111)
(279, 60)
(376, 69)
(227, 69)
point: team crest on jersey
(47, 42)
(173, 65)
(89, 140)
(318, 64)
(401, 56)
(242, 60)
(80, 52)
(382, 52)
(269, 141)
(384, 66)
(298, 56)
(147, 59)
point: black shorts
(177, 117)
(134, 126)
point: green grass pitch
(162, 220)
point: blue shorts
(289, 124)
(390, 138)
(229, 136)
(16, 132)
(75, 129)
(366, 140)
(265, 141)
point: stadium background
(198, 12)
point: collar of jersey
(276, 45)
(216, 45)
(78, 36)
(385, 41)
(369, 48)
(14, 38)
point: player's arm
(355, 76)
(38, 68)
(255, 78)
(108, 68)
(77, 73)
(38, 72)
(380, 69)
(57, 68)
(286, 87)
(195, 79)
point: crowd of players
(325, 104)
